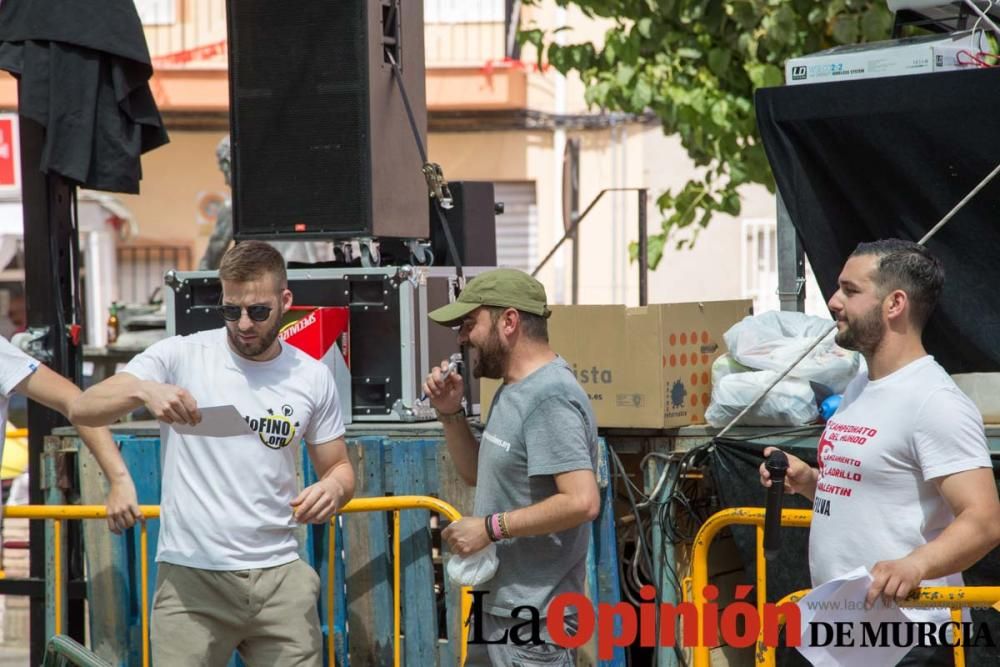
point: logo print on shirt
(489, 437)
(839, 473)
(825, 447)
(275, 431)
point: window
(157, 12)
(517, 227)
(759, 266)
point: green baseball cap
(504, 288)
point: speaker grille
(299, 97)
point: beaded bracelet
(502, 519)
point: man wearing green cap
(533, 469)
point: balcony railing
(185, 34)
(466, 33)
(191, 34)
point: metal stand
(643, 254)
(50, 279)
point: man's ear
(509, 320)
(896, 303)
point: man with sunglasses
(229, 574)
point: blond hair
(251, 260)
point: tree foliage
(696, 64)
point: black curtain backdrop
(861, 160)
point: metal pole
(791, 262)
(663, 558)
(643, 249)
(46, 201)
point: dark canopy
(84, 69)
(861, 160)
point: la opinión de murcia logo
(738, 624)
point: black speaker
(321, 144)
(473, 224)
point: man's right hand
(800, 477)
(122, 505)
(444, 393)
(170, 404)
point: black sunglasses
(232, 312)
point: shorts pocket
(532, 655)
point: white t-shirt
(225, 502)
(15, 365)
(878, 457)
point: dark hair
(251, 260)
(907, 266)
(533, 326)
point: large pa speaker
(321, 144)
(473, 224)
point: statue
(223, 232)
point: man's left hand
(467, 535)
(894, 580)
(319, 502)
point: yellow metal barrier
(953, 597)
(394, 504)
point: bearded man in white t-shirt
(229, 576)
(904, 485)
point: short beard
(863, 334)
(492, 361)
(263, 342)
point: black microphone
(777, 465)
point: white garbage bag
(725, 365)
(475, 569)
(790, 403)
(771, 341)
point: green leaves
(644, 26)
(846, 29)
(764, 76)
(875, 25)
(642, 95)
(696, 64)
(718, 61)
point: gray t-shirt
(538, 427)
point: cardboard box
(592, 340)
(672, 347)
(984, 390)
(647, 367)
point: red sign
(9, 154)
(317, 332)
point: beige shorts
(270, 616)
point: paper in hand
(840, 604)
(218, 421)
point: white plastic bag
(790, 403)
(475, 569)
(771, 341)
(725, 365)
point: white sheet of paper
(842, 601)
(217, 421)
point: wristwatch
(451, 417)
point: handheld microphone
(454, 365)
(777, 466)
